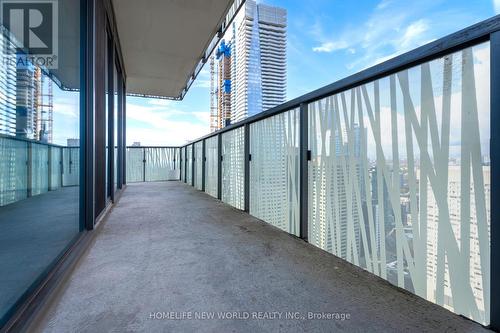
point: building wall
(455, 201)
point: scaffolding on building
(220, 86)
(224, 86)
(43, 107)
(214, 118)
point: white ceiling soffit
(163, 41)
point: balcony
(166, 247)
(365, 205)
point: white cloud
(391, 29)
(413, 33)
(164, 125)
(496, 5)
(331, 46)
(66, 109)
(159, 102)
(400, 40)
(383, 4)
(377, 32)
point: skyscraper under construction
(26, 97)
(251, 68)
(34, 104)
(220, 99)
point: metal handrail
(16, 138)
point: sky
(327, 41)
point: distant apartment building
(257, 68)
(456, 220)
(335, 227)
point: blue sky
(327, 41)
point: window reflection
(39, 158)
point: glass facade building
(258, 60)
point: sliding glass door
(39, 144)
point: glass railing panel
(183, 169)
(71, 166)
(55, 168)
(233, 160)
(177, 162)
(399, 181)
(189, 164)
(198, 165)
(39, 168)
(13, 170)
(274, 170)
(211, 165)
(135, 164)
(160, 164)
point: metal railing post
(61, 163)
(29, 169)
(180, 164)
(219, 166)
(144, 164)
(203, 165)
(193, 159)
(495, 179)
(185, 164)
(246, 172)
(49, 168)
(303, 170)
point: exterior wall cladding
(260, 60)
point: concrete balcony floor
(167, 247)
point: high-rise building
(7, 86)
(25, 102)
(260, 60)
(224, 84)
(34, 104)
(456, 220)
(336, 226)
(221, 73)
(248, 74)
(26, 96)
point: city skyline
(322, 36)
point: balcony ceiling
(163, 41)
